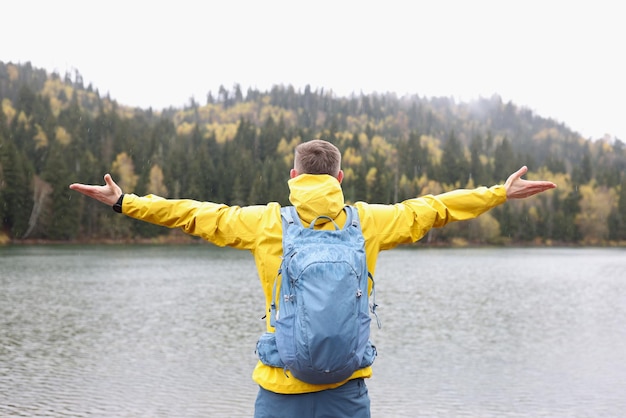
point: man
(315, 190)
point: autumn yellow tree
(123, 170)
(156, 185)
(595, 207)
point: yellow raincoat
(259, 229)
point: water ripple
(161, 334)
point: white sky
(562, 59)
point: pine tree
(454, 165)
(15, 190)
(582, 173)
(504, 161)
(412, 157)
(620, 226)
(477, 170)
(60, 224)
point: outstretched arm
(107, 194)
(518, 188)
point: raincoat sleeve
(410, 220)
(220, 224)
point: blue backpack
(321, 316)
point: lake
(170, 331)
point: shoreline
(189, 240)
(176, 237)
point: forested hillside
(237, 147)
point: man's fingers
(109, 182)
(517, 187)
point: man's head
(317, 157)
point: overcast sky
(562, 59)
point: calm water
(169, 331)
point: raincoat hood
(315, 195)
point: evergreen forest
(236, 147)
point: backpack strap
(289, 215)
(374, 305)
(353, 219)
(289, 218)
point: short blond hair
(317, 157)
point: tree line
(237, 148)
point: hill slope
(237, 148)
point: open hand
(107, 194)
(518, 188)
